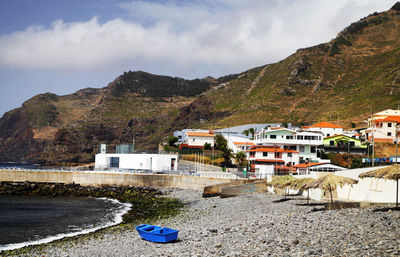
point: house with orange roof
(270, 160)
(197, 139)
(383, 127)
(326, 128)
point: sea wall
(91, 178)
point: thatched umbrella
(281, 182)
(302, 184)
(330, 182)
(391, 172)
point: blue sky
(63, 46)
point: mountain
(342, 80)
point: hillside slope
(342, 80)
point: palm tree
(390, 172)
(240, 158)
(251, 131)
(330, 182)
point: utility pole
(348, 154)
(373, 143)
(396, 142)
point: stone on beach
(251, 225)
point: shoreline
(148, 206)
(247, 225)
(51, 238)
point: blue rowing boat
(157, 234)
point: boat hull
(157, 234)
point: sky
(61, 46)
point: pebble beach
(251, 225)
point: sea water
(33, 220)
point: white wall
(366, 190)
(263, 171)
(154, 162)
(199, 141)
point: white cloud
(200, 37)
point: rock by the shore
(252, 225)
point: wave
(125, 207)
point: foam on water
(124, 208)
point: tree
(172, 140)
(251, 131)
(246, 132)
(241, 159)
(227, 154)
(207, 146)
(222, 145)
(221, 142)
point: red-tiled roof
(325, 124)
(190, 146)
(243, 143)
(279, 150)
(389, 119)
(310, 164)
(200, 134)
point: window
(265, 154)
(300, 137)
(301, 149)
(352, 143)
(289, 137)
(114, 162)
(194, 139)
(328, 135)
(252, 154)
(331, 142)
(389, 125)
(273, 136)
(278, 155)
(313, 149)
(289, 155)
(293, 147)
(389, 134)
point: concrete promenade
(98, 178)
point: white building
(272, 160)
(194, 138)
(305, 142)
(152, 162)
(181, 134)
(306, 168)
(383, 126)
(238, 142)
(326, 128)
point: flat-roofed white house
(305, 142)
(306, 168)
(151, 162)
(238, 142)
